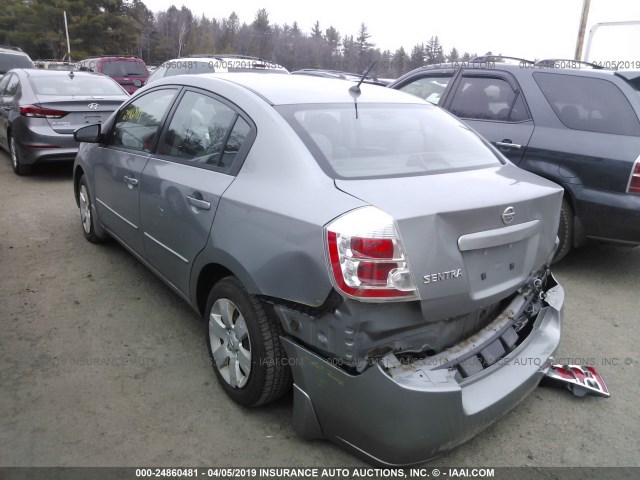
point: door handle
(131, 181)
(507, 144)
(198, 203)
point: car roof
(338, 74)
(530, 67)
(113, 57)
(11, 51)
(43, 72)
(280, 89)
(190, 59)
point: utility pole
(583, 26)
(66, 29)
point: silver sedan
(40, 109)
(351, 242)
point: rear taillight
(634, 181)
(36, 111)
(366, 257)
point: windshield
(124, 68)
(9, 61)
(386, 140)
(66, 85)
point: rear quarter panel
(268, 229)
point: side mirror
(88, 134)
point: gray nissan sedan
(354, 242)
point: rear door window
(488, 98)
(587, 103)
(204, 131)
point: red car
(130, 72)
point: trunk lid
(462, 255)
(81, 111)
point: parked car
(354, 77)
(130, 72)
(55, 65)
(40, 109)
(198, 64)
(564, 120)
(13, 57)
(379, 253)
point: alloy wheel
(230, 343)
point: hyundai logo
(508, 214)
(93, 106)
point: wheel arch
(78, 172)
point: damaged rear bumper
(415, 416)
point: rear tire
(244, 345)
(565, 231)
(18, 167)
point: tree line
(128, 27)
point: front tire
(19, 168)
(565, 231)
(244, 345)
(87, 217)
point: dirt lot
(102, 365)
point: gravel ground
(102, 365)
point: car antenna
(355, 91)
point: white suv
(197, 64)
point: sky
(534, 29)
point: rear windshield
(386, 140)
(66, 85)
(124, 68)
(9, 61)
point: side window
(237, 137)
(3, 84)
(429, 88)
(487, 98)
(204, 130)
(158, 73)
(13, 86)
(137, 124)
(591, 104)
(176, 67)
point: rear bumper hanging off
(394, 414)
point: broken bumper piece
(405, 419)
(579, 380)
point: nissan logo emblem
(93, 106)
(508, 214)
